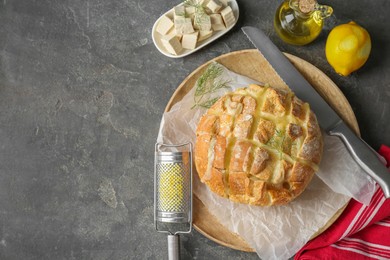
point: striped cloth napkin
(361, 232)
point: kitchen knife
(328, 119)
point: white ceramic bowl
(157, 37)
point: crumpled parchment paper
(274, 232)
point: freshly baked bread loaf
(258, 145)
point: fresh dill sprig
(294, 148)
(201, 18)
(207, 84)
(192, 3)
(208, 103)
(182, 14)
(277, 140)
(200, 12)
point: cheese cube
(217, 22)
(202, 22)
(214, 6)
(189, 40)
(164, 25)
(171, 44)
(228, 16)
(203, 35)
(183, 25)
(179, 11)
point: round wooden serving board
(252, 64)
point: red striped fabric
(361, 232)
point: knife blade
(328, 119)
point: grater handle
(173, 247)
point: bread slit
(210, 159)
(228, 155)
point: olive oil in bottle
(299, 22)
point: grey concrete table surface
(82, 91)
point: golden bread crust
(258, 145)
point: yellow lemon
(347, 48)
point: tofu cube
(179, 11)
(190, 12)
(203, 2)
(228, 16)
(214, 6)
(174, 33)
(202, 22)
(189, 40)
(183, 25)
(203, 35)
(171, 44)
(164, 25)
(217, 22)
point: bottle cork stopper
(306, 6)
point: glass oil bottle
(299, 22)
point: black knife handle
(365, 156)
